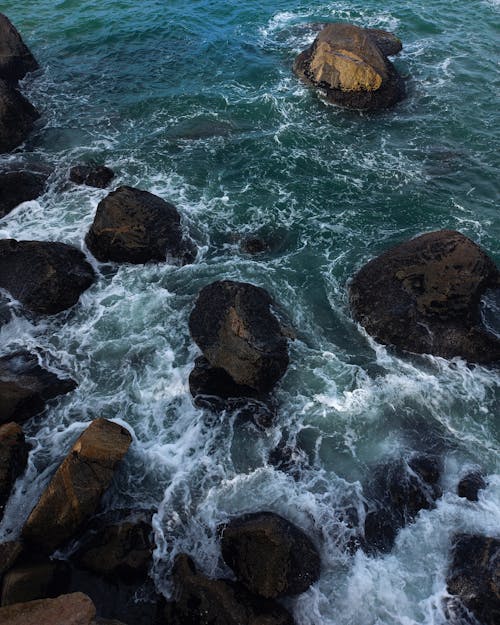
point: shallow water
(197, 102)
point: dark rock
(17, 117)
(424, 296)
(135, 226)
(388, 43)
(25, 387)
(254, 245)
(470, 485)
(42, 580)
(91, 175)
(474, 576)
(13, 459)
(46, 277)
(15, 58)
(73, 609)
(235, 329)
(19, 186)
(348, 65)
(74, 492)
(204, 601)
(9, 553)
(269, 555)
(289, 458)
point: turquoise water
(196, 101)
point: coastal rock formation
(269, 555)
(74, 492)
(46, 277)
(19, 186)
(25, 387)
(135, 226)
(13, 459)
(73, 609)
(474, 577)
(17, 117)
(91, 175)
(470, 485)
(424, 296)
(35, 580)
(204, 601)
(16, 59)
(349, 66)
(235, 329)
(9, 553)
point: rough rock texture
(204, 601)
(470, 485)
(46, 277)
(25, 387)
(73, 609)
(288, 458)
(349, 66)
(269, 555)
(235, 329)
(13, 459)
(398, 491)
(74, 492)
(9, 552)
(28, 582)
(19, 186)
(135, 226)
(91, 175)
(474, 576)
(17, 117)
(424, 296)
(15, 58)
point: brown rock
(13, 459)
(9, 552)
(33, 581)
(91, 175)
(74, 492)
(424, 296)
(17, 117)
(349, 66)
(73, 609)
(388, 43)
(15, 58)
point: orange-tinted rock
(74, 492)
(73, 609)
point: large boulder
(470, 485)
(75, 491)
(13, 459)
(136, 226)
(15, 58)
(204, 601)
(25, 387)
(46, 277)
(474, 577)
(424, 296)
(17, 117)
(349, 66)
(97, 176)
(269, 555)
(73, 609)
(235, 329)
(19, 186)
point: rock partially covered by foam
(97, 176)
(269, 555)
(349, 66)
(470, 485)
(135, 226)
(234, 327)
(424, 296)
(16, 59)
(17, 117)
(13, 459)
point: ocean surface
(196, 101)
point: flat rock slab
(73, 609)
(16, 59)
(424, 296)
(13, 459)
(17, 117)
(75, 491)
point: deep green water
(196, 101)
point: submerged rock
(97, 176)
(136, 226)
(470, 485)
(349, 66)
(46, 277)
(16, 59)
(19, 186)
(474, 577)
(235, 329)
(25, 387)
(424, 296)
(75, 491)
(204, 601)
(73, 609)
(17, 117)
(269, 555)
(13, 459)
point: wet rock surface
(25, 387)
(135, 226)
(19, 186)
(72, 609)
(204, 601)
(269, 555)
(17, 117)
(36, 580)
(74, 492)
(470, 485)
(234, 327)
(424, 296)
(349, 66)
(13, 459)
(9, 553)
(97, 176)
(46, 277)
(16, 60)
